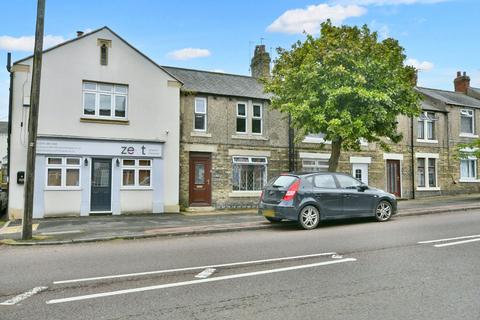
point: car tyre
(383, 211)
(309, 217)
(273, 220)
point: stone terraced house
(231, 142)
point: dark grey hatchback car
(311, 197)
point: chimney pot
(459, 73)
(79, 33)
(464, 74)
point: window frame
(195, 112)
(426, 173)
(113, 94)
(136, 167)
(317, 164)
(248, 161)
(257, 117)
(63, 167)
(426, 118)
(470, 113)
(473, 178)
(245, 117)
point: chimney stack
(461, 82)
(260, 65)
(79, 33)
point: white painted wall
(153, 105)
(136, 201)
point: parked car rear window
(347, 182)
(324, 181)
(283, 181)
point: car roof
(305, 174)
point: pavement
(51, 231)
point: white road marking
(192, 282)
(60, 232)
(449, 239)
(23, 296)
(194, 268)
(455, 243)
(205, 273)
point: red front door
(393, 177)
(200, 178)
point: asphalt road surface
(356, 269)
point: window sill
(316, 140)
(200, 134)
(106, 121)
(427, 141)
(428, 188)
(135, 188)
(62, 189)
(244, 194)
(249, 137)
(468, 180)
(468, 135)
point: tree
(344, 84)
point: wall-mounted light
(117, 162)
(85, 162)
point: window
(241, 117)
(136, 173)
(105, 100)
(358, 174)
(63, 172)
(468, 169)
(467, 121)
(249, 173)
(200, 122)
(347, 182)
(426, 126)
(257, 119)
(324, 181)
(103, 54)
(315, 165)
(427, 173)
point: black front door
(101, 197)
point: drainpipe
(412, 150)
(291, 146)
(10, 104)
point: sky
(440, 37)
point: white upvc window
(242, 114)
(426, 127)
(63, 173)
(468, 169)
(136, 173)
(427, 173)
(105, 100)
(467, 122)
(315, 165)
(257, 119)
(249, 173)
(200, 115)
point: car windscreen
(283, 181)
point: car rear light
(292, 191)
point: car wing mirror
(362, 187)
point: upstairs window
(105, 100)
(257, 122)
(467, 121)
(200, 121)
(241, 117)
(426, 126)
(103, 55)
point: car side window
(324, 181)
(347, 182)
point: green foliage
(345, 84)
(466, 150)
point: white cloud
(309, 19)
(385, 2)
(188, 53)
(420, 65)
(26, 43)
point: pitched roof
(219, 83)
(428, 106)
(95, 31)
(450, 97)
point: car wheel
(309, 218)
(273, 220)
(383, 211)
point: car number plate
(268, 213)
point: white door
(360, 171)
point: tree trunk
(335, 155)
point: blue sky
(440, 36)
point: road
(356, 269)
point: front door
(360, 172)
(393, 177)
(101, 187)
(200, 178)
